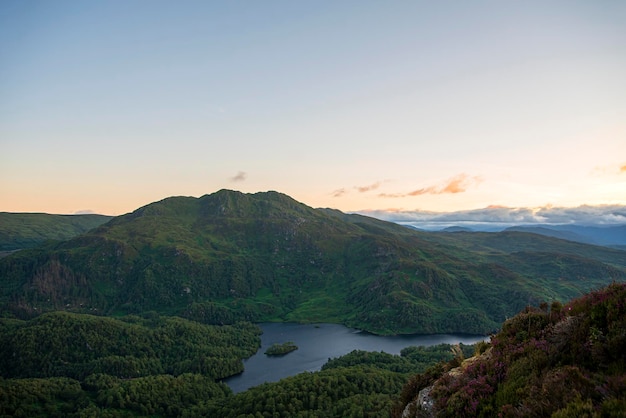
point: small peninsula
(281, 349)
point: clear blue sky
(109, 105)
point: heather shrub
(569, 361)
(578, 408)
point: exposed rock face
(424, 400)
(424, 405)
(421, 407)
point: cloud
(240, 176)
(498, 217)
(391, 195)
(609, 170)
(363, 189)
(84, 212)
(457, 184)
(339, 192)
(419, 192)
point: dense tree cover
(162, 395)
(558, 361)
(229, 256)
(72, 345)
(64, 364)
(107, 396)
(359, 384)
(413, 359)
(281, 349)
(68, 364)
(54, 397)
(355, 391)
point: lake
(320, 342)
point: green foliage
(67, 364)
(229, 256)
(379, 360)
(162, 395)
(354, 391)
(27, 230)
(77, 345)
(358, 384)
(565, 362)
(414, 359)
(55, 397)
(281, 349)
(426, 356)
(107, 396)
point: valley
(229, 256)
(161, 303)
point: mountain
(560, 361)
(27, 230)
(549, 232)
(230, 256)
(456, 229)
(610, 236)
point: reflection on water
(318, 343)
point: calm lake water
(318, 343)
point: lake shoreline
(400, 334)
(319, 342)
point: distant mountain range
(610, 236)
(598, 225)
(231, 256)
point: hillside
(560, 361)
(231, 256)
(27, 230)
(609, 235)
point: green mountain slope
(231, 256)
(27, 230)
(491, 245)
(566, 361)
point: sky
(393, 106)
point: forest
(147, 313)
(281, 349)
(75, 365)
(558, 360)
